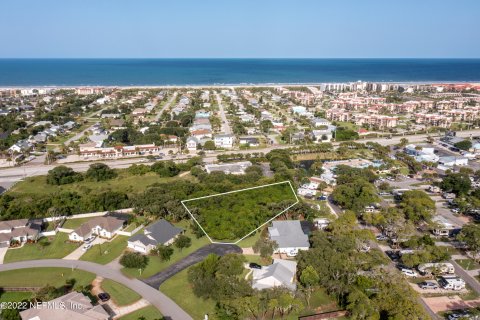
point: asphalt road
(165, 107)
(225, 125)
(166, 306)
(219, 249)
(9, 176)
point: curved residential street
(166, 306)
(219, 249)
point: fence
(88, 215)
(325, 315)
(19, 289)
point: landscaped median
(55, 247)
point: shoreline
(235, 85)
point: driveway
(77, 253)
(219, 249)
(163, 303)
(3, 252)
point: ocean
(161, 72)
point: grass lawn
(468, 264)
(58, 248)
(155, 265)
(15, 296)
(250, 241)
(124, 182)
(120, 294)
(39, 277)
(107, 251)
(179, 290)
(149, 313)
(75, 223)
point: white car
(409, 273)
(292, 253)
(90, 239)
(86, 247)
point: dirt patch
(446, 303)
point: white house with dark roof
(281, 273)
(105, 227)
(160, 232)
(290, 237)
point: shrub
(134, 260)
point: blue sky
(246, 28)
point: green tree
(134, 260)
(458, 183)
(182, 242)
(209, 145)
(417, 205)
(470, 234)
(309, 278)
(62, 175)
(100, 172)
(464, 145)
(265, 247)
(163, 251)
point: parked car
(254, 265)
(409, 273)
(428, 285)
(381, 237)
(104, 297)
(90, 239)
(86, 247)
(393, 255)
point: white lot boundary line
(235, 191)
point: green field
(15, 296)
(468, 264)
(228, 217)
(57, 248)
(120, 294)
(124, 182)
(107, 251)
(179, 290)
(155, 265)
(39, 277)
(149, 313)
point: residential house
(290, 236)
(281, 273)
(20, 230)
(160, 232)
(224, 140)
(250, 141)
(73, 305)
(236, 168)
(192, 143)
(105, 227)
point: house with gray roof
(160, 232)
(73, 305)
(281, 273)
(290, 237)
